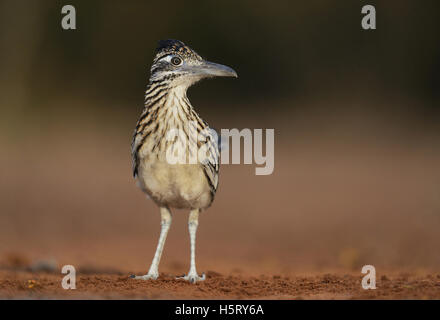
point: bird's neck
(169, 105)
(164, 95)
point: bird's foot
(148, 276)
(193, 277)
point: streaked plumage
(191, 186)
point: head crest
(169, 44)
(176, 46)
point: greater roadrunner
(180, 185)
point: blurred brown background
(355, 112)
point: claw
(193, 277)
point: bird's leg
(193, 222)
(153, 273)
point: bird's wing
(211, 163)
(134, 155)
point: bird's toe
(149, 276)
(193, 277)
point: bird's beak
(211, 69)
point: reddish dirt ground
(217, 286)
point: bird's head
(182, 66)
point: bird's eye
(176, 61)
